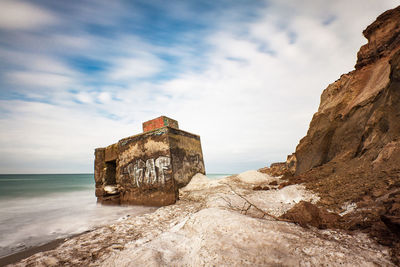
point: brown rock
(281, 168)
(275, 169)
(327, 201)
(259, 188)
(307, 214)
(393, 223)
(383, 36)
(273, 183)
(395, 208)
(284, 184)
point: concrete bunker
(148, 168)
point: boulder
(307, 214)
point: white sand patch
(292, 194)
(255, 177)
(200, 182)
(226, 193)
(216, 237)
(274, 202)
(213, 224)
(278, 202)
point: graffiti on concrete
(151, 172)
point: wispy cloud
(20, 15)
(39, 79)
(135, 67)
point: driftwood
(250, 204)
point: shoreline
(215, 222)
(26, 253)
(16, 257)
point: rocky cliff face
(359, 115)
(351, 153)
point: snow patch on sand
(200, 182)
(219, 194)
(255, 177)
(274, 202)
(216, 223)
(216, 237)
(278, 202)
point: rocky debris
(275, 169)
(271, 185)
(219, 222)
(260, 187)
(281, 168)
(351, 153)
(307, 214)
(391, 217)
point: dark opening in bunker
(111, 168)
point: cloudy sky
(244, 75)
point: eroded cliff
(351, 153)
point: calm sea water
(38, 208)
(34, 185)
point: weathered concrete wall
(104, 174)
(149, 168)
(187, 156)
(111, 152)
(99, 170)
(144, 170)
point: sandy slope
(218, 222)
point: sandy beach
(13, 258)
(222, 222)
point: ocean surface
(38, 208)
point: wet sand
(15, 257)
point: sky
(244, 75)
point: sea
(38, 208)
